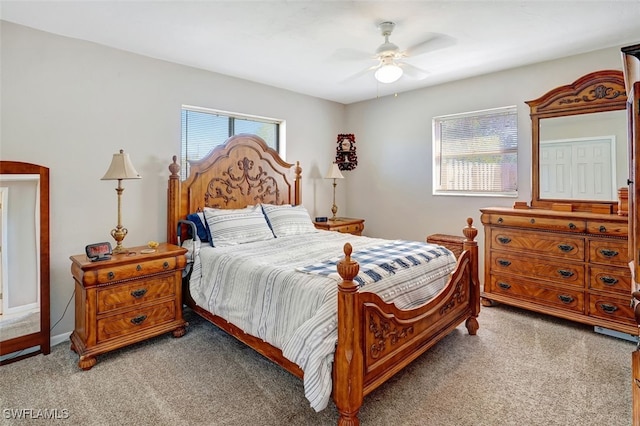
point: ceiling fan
(391, 65)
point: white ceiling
(315, 47)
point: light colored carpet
(521, 369)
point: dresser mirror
(579, 148)
(24, 260)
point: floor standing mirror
(24, 260)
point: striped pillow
(288, 220)
(237, 226)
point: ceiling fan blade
(413, 72)
(361, 73)
(434, 42)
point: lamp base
(118, 234)
(120, 250)
(334, 210)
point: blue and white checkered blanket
(379, 261)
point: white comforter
(255, 286)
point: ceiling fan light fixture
(388, 73)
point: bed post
(472, 246)
(173, 202)
(298, 194)
(349, 363)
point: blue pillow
(201, 228)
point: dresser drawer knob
(637, 381)
(532, 221)
(111, 275)
(165, 265)
(565, 274)
(503, 262)
(609, 309)
(608, 280)
(565, 299)
(565, 247)
(572, 226)
(504, 286)
(138, 320)
(500, 220)
(139, 293)
(608, 253)
(602, 228)
(138, 268)
(504, 240)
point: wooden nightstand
(126, 299)
(342, 224)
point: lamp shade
(334, 172)
(388, 73)
(121, 168)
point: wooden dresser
(342, 224)
(126, 299)
(573, 265)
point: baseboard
(60, 338)
(613, 333)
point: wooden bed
(375, 339)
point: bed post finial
(472, 246)
(298, 183)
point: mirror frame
(42, 338)
(599, 91)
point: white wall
(70, 105)
(392, 186)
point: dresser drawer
(537, 292)
(551, 224)
(609, 252)
(135, 270)
(615, 229)
(557, 245)
(610, 279)
(611, 308)
(135, 320)
(141, 291)
(550, 270)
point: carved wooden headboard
(243, 171)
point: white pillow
(237, 226)
(288, 220)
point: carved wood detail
(240, 180)
(385, 331)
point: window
(204, 129)
(476, 153)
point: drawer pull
(500, 220)
(565, 273)
(566, 247)
(139, 293)
(165, 265)
(609, 309)
(609, 280)
(504, 286)
(532, 221)
(138, 268)
(111, 275)
(602, 228)
(503, 262)
(608, 253)
(565, 299)
(637, 382)
(572, 226)
(504, 240)
(138, 320)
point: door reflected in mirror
(583, 157)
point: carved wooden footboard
(376, 339)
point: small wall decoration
(346, 157)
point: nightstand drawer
(355, 228)
(134, 270)
(135, 320)
(115, 297)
